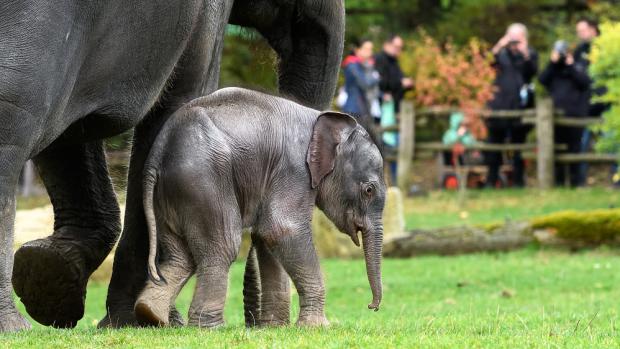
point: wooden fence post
(406, 145)
(545, 143)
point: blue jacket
(357, 83)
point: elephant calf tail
(150, 179)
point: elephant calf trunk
(373, 244)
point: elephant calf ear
(330, 129)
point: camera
(512, 43)
(561, 47)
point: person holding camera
(568, 83)
(516, 64)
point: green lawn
(441, 209)
(529, 298)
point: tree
(605, 71)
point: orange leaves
(447, 75)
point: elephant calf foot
(313, 320)
(152, 307)
(206, 320)
(50, 276)
(149, 315)
(13, 321)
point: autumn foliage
(451, 76)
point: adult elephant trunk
(373, 244)
(308, 36)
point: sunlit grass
(529, 298)
(441, 208)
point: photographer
(568, 84)
(516, 64)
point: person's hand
(555, 56)
(387, 97)
(570, 59)
(461, 131)
(501, 44)
(503, 41)
(407, 82)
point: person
(460, 134)
(568, 84)
(361, 83)
(587, 30)
(393, 83)
(516, 64)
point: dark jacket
(581, 54)
(391, 77)
(513, 73)
(357, 83)
(569, 87)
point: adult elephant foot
(120, 320)
(50, 276)
(12, 322)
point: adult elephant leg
(308, 36)
(196, 74)
(12, 159)
(275, 288)
(129, 272)
(251, 289)
(50, 274)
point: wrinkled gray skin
(241, 159)
(74, 72)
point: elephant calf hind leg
(155, 304)
(207, 308)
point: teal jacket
(451, 135)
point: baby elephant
(237, 159)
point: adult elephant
(73, 72)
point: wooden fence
(543, 151)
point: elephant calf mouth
(354, 234)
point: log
(459, 240)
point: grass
(441, 209)
(529, 298)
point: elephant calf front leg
(297, 255)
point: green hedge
(597, 226)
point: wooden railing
(543, 151)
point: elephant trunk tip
(374, 305)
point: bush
(447, 75)
(590, 227)
(605, 71)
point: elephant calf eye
(369, 190)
